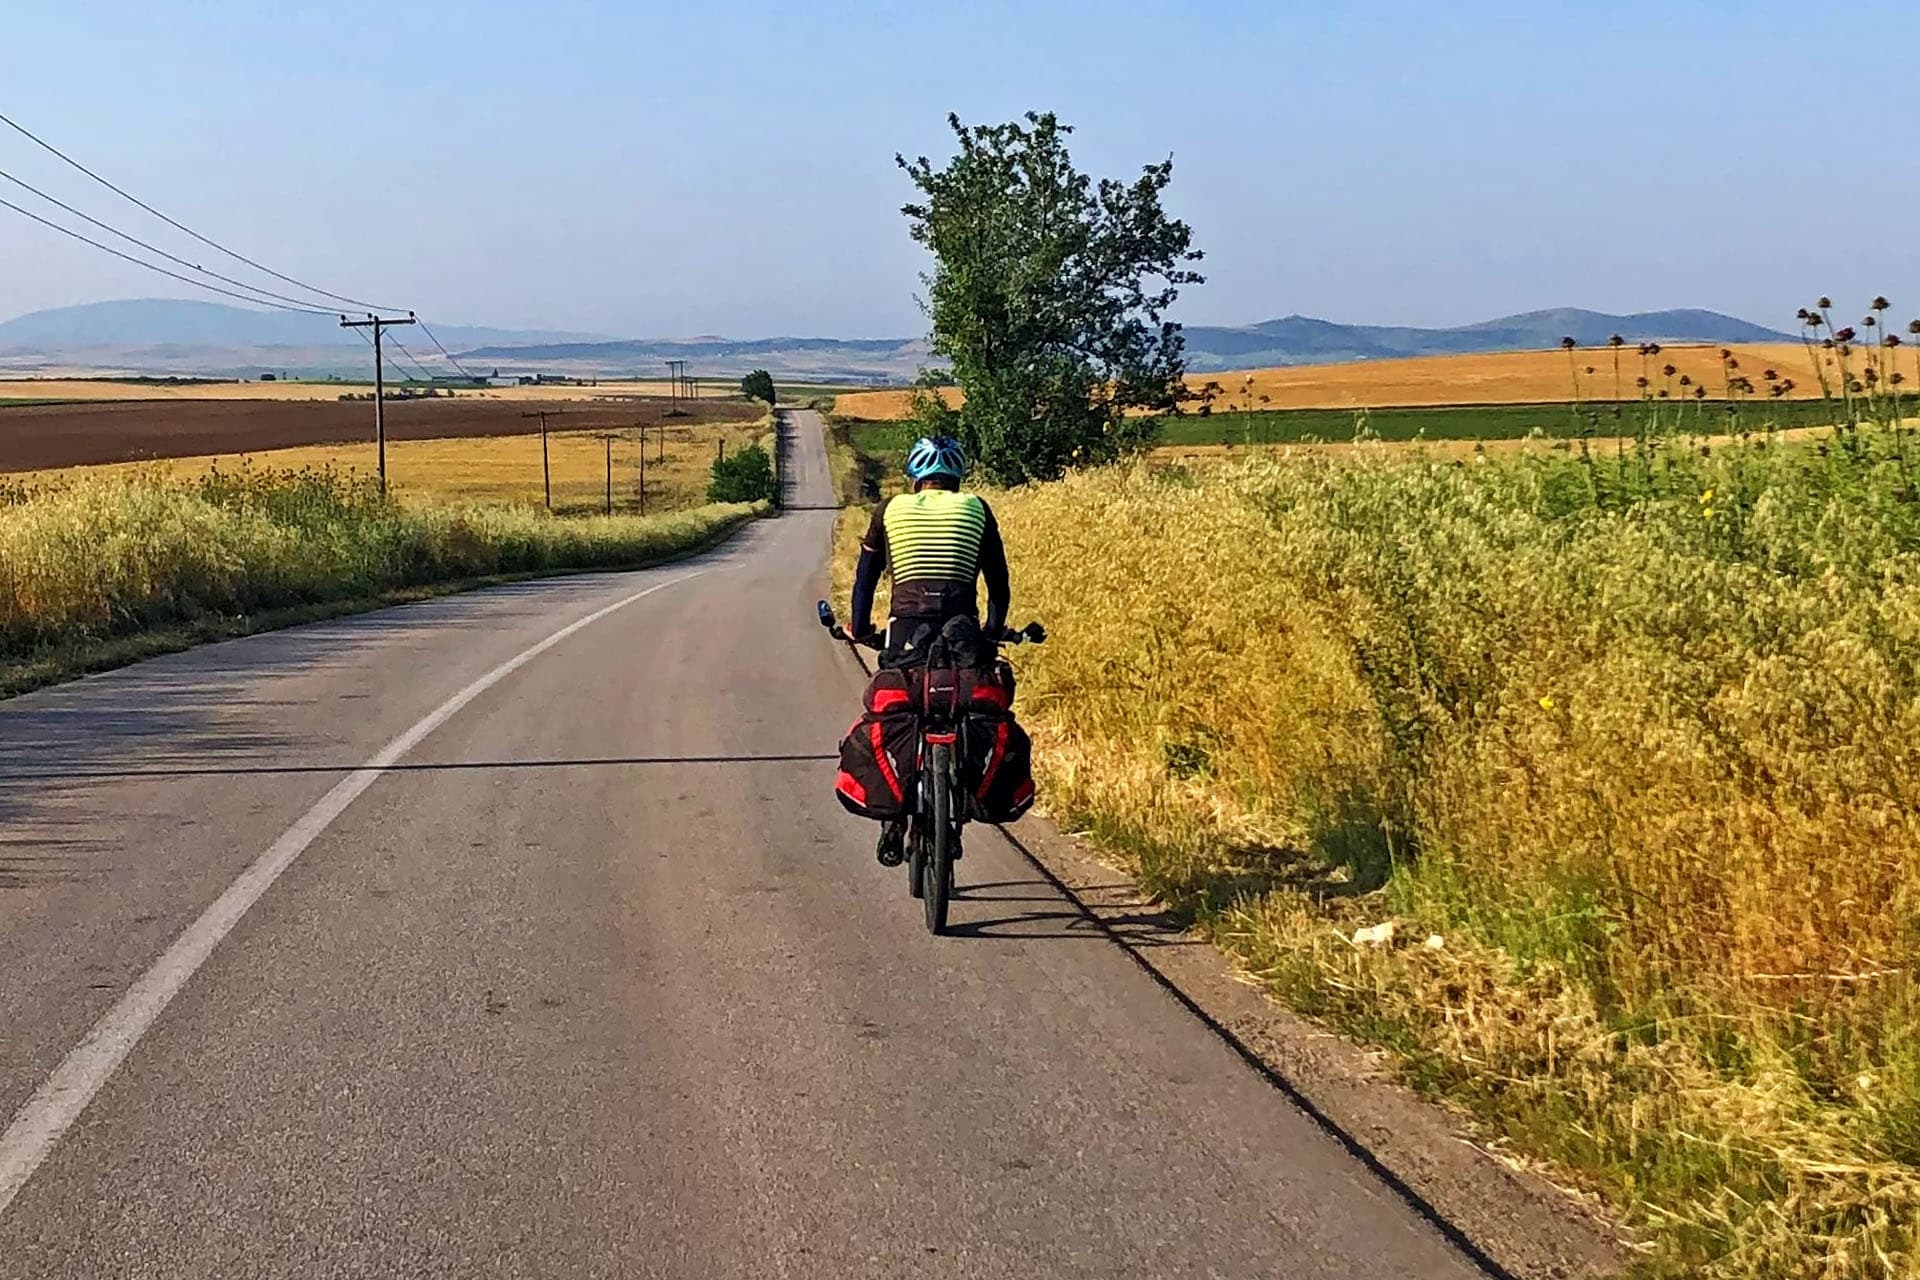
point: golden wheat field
(92, 389)
(1513, 377)
(485, 469)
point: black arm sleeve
(993, 567)
(866, 575)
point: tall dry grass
(1634, 737)
(87, 561)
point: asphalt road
(595, 980)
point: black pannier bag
(998, 762)
(880, 765)
(945, 692)
(952, 692)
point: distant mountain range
(162, 335)
(178, 322)
(1305, 340)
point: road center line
(59, 1101)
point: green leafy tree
(758, 385)
(1048, 294)
(747, 476)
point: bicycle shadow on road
(1126, 913)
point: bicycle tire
(936, 877)
(916, 858)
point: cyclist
(937, 542)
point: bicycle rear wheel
(936, 878)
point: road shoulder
(1515, 1219)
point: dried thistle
(1880, 303)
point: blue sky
(728, 167)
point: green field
(806, 393)
(1496, 421)
(888, 441)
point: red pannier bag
(999, 767)
(894, 689)
(880, 765)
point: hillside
(178, 322)
(157, 335)
(1305, 340)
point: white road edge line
(59, 1101)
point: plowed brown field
(36, 437)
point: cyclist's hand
(1036, 633)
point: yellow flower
(1706, 498)
(1546, 702)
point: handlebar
(1032, 633)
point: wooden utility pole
(640, 429)
(546, 467)
(607, 438)
(378, 324)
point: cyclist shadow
(1138, 923)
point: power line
(141, 262)
(179, 226)
(154, 249)
(421, 369)
(443, 351)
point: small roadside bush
(747, 476)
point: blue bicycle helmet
(936, 456)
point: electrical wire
(141, 262)
(424, 372)
(388, 363)
(302, 303)
(464, 371)
(180, 226)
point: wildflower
(1880, 304)
(1913, 327)
(1706, 498)
(1546, 702)
(1825, 304)
(1845, 335)
(1617, 340)
(1891, 340)
(1567, 344)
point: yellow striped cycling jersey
(935, 534)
